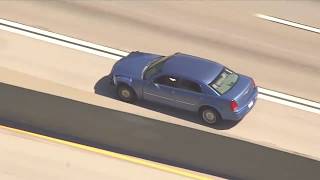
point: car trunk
(242, 91)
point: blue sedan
(186, 82)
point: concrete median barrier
(150, 138)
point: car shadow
(104, 88)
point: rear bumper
(238, 115)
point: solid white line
(287, 103)
(62, 43)
(289, 97)
(289, 23)
(40, 31)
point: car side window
(167, 81)
(189, 85)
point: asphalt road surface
(270, 123)
(279, 57)
(42, 159)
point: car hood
(133, 65)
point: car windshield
(154, 67)
(225, 81)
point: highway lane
(279, 57)
(73, 74)
(114, 54)
(28, 157)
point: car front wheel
(126, 93)
(209, 115)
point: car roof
(192, 68)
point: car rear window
(225, 81)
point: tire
(209, 115)
(126, 93)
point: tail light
(234, 105)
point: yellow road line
(131, 159)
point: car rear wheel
(126, 93)
(209, 115)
